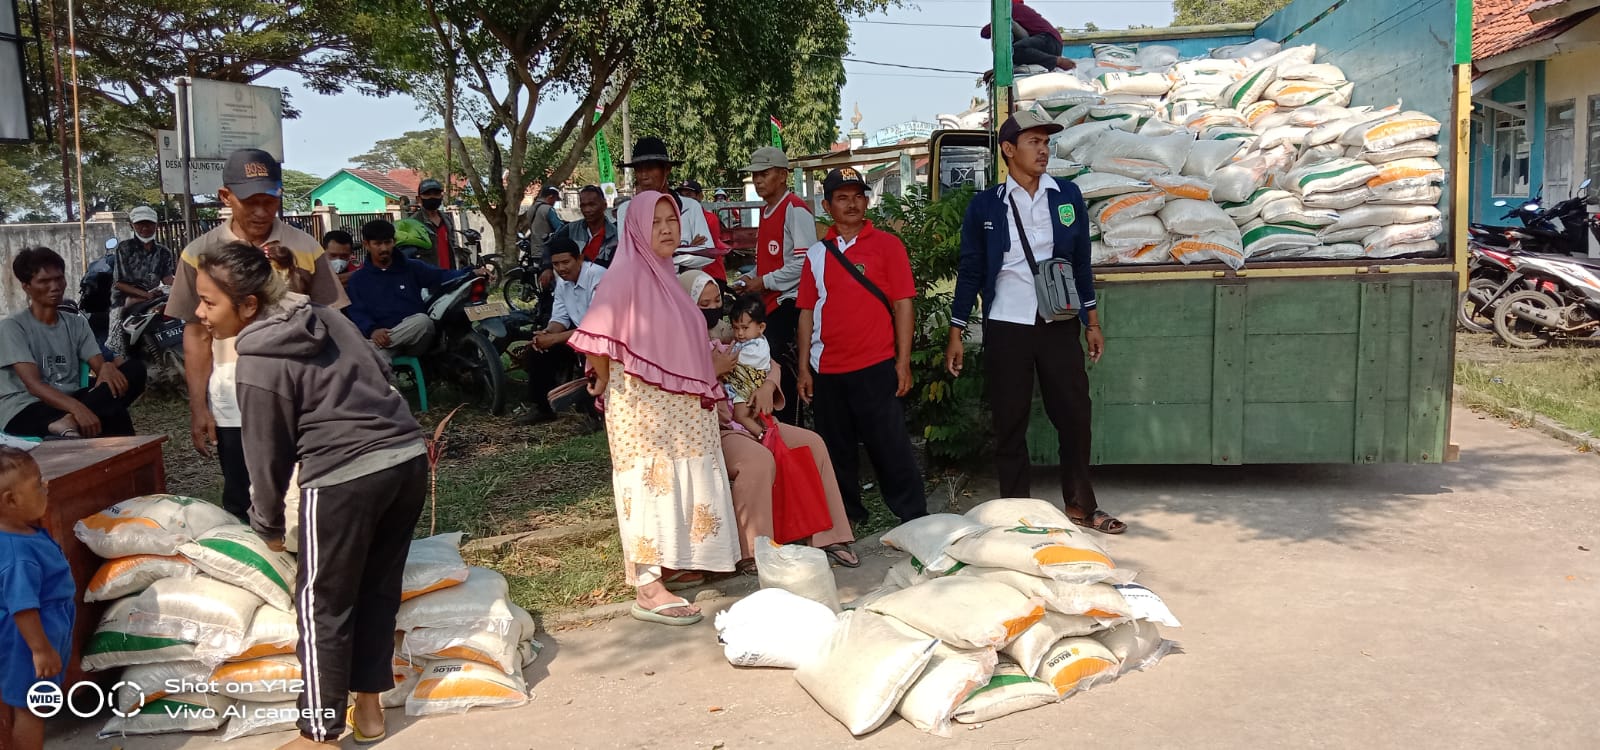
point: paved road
(1392, 606)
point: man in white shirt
(652, 170)
(787, 230)
(550, 361)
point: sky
(925, 33)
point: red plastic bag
(799, 507)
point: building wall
(1572, 77)
(350, 195)
(1522, 87)
(62, 238)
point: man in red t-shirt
(855, 315)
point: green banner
(777, 132)
(602, 154)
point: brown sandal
(1102, 522)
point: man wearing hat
(141, 267)
(719, 271)
(787, 230)
(1031, 213)
(252, 189)
(652, 170)
(430, 194)
(855, 318)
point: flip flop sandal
(747, 568)
(356, 735)
(654, 614)
(1102, 522)
(683, 580)
(833, 551)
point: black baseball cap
(841, 177)
(692, 185)
(430, 185)
(251, 172)
(1026, 120)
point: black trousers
(35, 419)
(856, 408)
(1012, 354)
(783, 326)
(546, 370)
(1039, 49)
(235, 475)
(353, 543)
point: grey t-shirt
(59, 351)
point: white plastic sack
(1222, 247)
(1256, 113)
(1207, 156)
(185, 712)
(1137, 232)
(1147, 605)
(1306, 93)
(1330, 176)
(1318, 115)
(797, 569)
(1311, 156)
(1193, 188)
(1287, 135)
(1170, 151)
(963, 612)
(1136, 83)
(406, 675)
(866, 669)
(454, 686)
(1116, 55)
(1391, 131)
(272, 632)
(1375, 215)
(1063, 554)
(432, 564)
(1029, 649)
(1424, 195)
(1065, 170)
(1333, 131)
(1057, 103)
(1248, 209)
(1076, 664)
(1257, 50)
(1384, 242)
(265, 680)
(1326, 73)
(153, 681)
(1423, 149)
(926, 538)
(1262, 238)
(467, 642)
(1153, 56)
(1148, 255)
(481, 601)
(1187, 216)
(1268, 121)
(1405, 177)
(1204, 71)
(1205, 93)
(1136, 645)
(115, 644)
(1336, 235)
(1126, 117)
(1216, 118)
(1299, 55)
(1289, 211)
(1100, 601)
(1248, 90)
(951, 676)
(1010, 690)
(234, 555)
(1340, 200)
(774, 628)
(202, 610)
(1047, 84)
(149, 525)
(1127, 207)
(1127, 166)
(1077, 137)
(1245, 136)
(1179, 111)
(126, 576)
(1159, 128)
(250, 718)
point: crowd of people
(288, 349)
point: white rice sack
(1222, 247)
(234, 555)
(1134, 233)
(1390, 130)
(1336, 251)
(1216, 118)
(116, 644)
(774, 628)
(1404, 174)
(1290, 211)
(1152, 56)
(1136, 645)
(1424, 195)
(865, 670)
(1029, 649)
(1236, 182)
(1048, 84)
(1127, 166)
(1102, 254)
(149, 525)
(1116, 55)
(1063, 554)
(1097, 185)
(1248, 209)
(1156, 254)
(454, 686)
(407, 674)
(1248, 90)
(1325, 73)
(126, 576)
(1297, 93)
(1179, 111)
(1074, 115)
(481, 601)
(1270, 121)
(1384, 242)
(1175, 186)
(184, 712)
(1065, 170)
(1136, 83)
(1207, 72)
(1333, 131)
(267, 680)
(951, 676)
(1300, 55)
(1319, 114)
(1340, 200)
(1198, 92)
(250, 718)
(1373, 215)
(1170, 151)
(1287, 135)
(1255, 113)
(1190, 217)
(202, 610)
(1056, 104)
(1423, 149)
(1077, 664)
(1151, 102)
(1257, 50)
(927, 538)
(1147, 605)
(1126, 117)
(1078, 137)
(1208, 156)
(1311, 156)
(467, 642)
(1336, 235)
(432, 564)
(1244, 136)
(1100, 601)
(963, 612)
(1263, 238)
(1128, 207)
(144, 683)
(798, 569)
(1329, 177)
(1425, 248)
(1010, 690)
(272, 632)
(1159, 128)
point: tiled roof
(1500, 26)
(397, 183)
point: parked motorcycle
(155, 338)
(1487, 270)
(1566, 304)
(1557, 229)
(464, 352)
(94, 291)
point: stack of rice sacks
(1006, 608)
(1250, 153)
(202, 625)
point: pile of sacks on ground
(1250, 153)
(1007, 608)
(202, 623)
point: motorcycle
(1558, 229)
(155, 338)
(1567, 303)
(467, 328)
(520, 288)
(1488, 268)
(94, 291)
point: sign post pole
(184, 136)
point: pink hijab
(641, 319)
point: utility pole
(627, 143)
(61, 114)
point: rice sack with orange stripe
(180, 712)
(203, 610)
(126, 576)
(1223, 247)
(149, 525)
(951, 676)
(1391, 131)
(235, 555)
(1010, 690)
(1029, 649)
(407, 672)
(1077, 664)
(1407, 179)
(1101, 601)
(250, 718)
(1129, 206)
(272, 632)
(481, 601)
(270, 679)
(963, 612)
(143, 684)
(432, 564)
(1066, 555)
(455, 685)
(492, 647)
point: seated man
(386, 294)
(338, 244)
(42, 354)
(549, 360)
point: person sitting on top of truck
(386, 294)
(1034, 41)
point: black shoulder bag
(1053, 284)
(833, 249)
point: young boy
(36, 596)
(755, 359)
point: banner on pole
(602, 153)
(777, 132)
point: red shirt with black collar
(851, 329)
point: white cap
(142, 213)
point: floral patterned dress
(674, 505)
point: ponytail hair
(241, 272)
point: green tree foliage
(1202, 12)
(297, 187)
(422, 151)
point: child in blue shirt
(36, 596)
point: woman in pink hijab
(645, 343)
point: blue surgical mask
(339, 265)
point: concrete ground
(1325, 606)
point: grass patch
(1562, 384)
(575, 574)
(492, 487)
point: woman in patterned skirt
(652, 374)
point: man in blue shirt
(386, 294)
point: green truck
(1290, 361)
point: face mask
(713, 316)
(432, 204)
(339, 265)
(146, 238)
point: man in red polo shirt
(855, 313)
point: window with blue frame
(1512, 154)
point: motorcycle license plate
(487, 310)
(169, 335)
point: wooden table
(86, 477)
